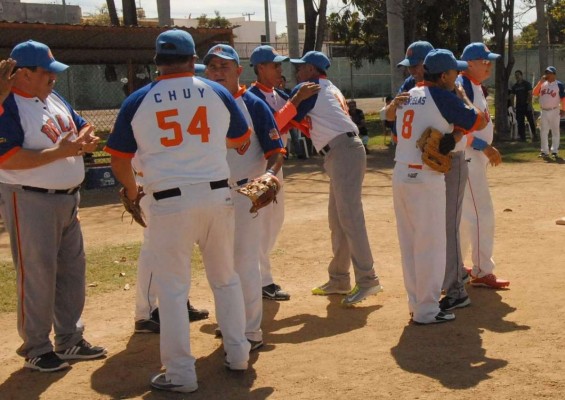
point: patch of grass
(107, 269)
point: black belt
(327, 147)
(242, 181)
(52, 191)
(174, 192)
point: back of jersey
(180, 129)
(412, 119)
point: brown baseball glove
(132, 206)
(429, 144)
(262, 191)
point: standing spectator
(42, 140)
(358, 118)
(477, 221)
(522, 93)
(180, 140)
(336, 137)
(551, 93)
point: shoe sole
(378, 289)
(437, 321)
(145, 331)
(275, 298)
(194, 318)
(81, 357)
(33, 367)
(324, 293)
(466, 303)
(256, 345)
(486, 285)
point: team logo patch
(413, 175)
(217, 49)
(409, 53)
(274, 134)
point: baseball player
(42, 140)
(477, 220)
(414, 62)
(551, 93)
(267, 64)
(178, 128)
(336, 137)
(262, 154)
(419, 191)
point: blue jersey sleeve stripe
(263, 123)
(453, 109)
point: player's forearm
(27, 159)
(275, 162)
(121, 167)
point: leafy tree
(101, 17)
(216, 22)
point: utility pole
(64, 12)
(267, 30)
(248, 15)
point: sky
(229, 9)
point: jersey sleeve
(264, 124)
(121, 141)
(453, 109)
(238, 131)
(467, 86)
(11, 131)
(561, 89)
(305, 106)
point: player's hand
(460, 92)
(305, 91)
(400, 99)
(67, 147)
(493, 155)
(88, 139)
(7, 77)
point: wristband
(479, 144)
(270, 171)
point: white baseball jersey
(276, 99)
(475, 93)
(550, 94)
(250, 160)
(31, 124)
(178, 141)
(435, 108)
(325, 113)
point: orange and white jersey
(29, 123)
(550, 94)
(177, 129)
(428, 107)
(325, 113)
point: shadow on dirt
(453, 353)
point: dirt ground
(509, 344)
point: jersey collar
(20, 92)
(242, 89)
(172, 76)
(262, 87)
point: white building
(16, 11)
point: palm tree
(395, 22)
(114, 20)
(543, 35)
(164, 12)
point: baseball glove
(262, 191)
(132, 206)
(429, 144)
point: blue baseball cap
(415, 53)
(266, 54)
(316, 58)
(478, 51)
(35, 54)
(223, 51)
(551, 70)
(441, 60)
(175, 42)
(199, 68)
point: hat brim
(297, 61)
(462, 65)
(208, 57)
(408, 63)
(493, 56)
(56, 67)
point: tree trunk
(395, 23)
(130, 13)
(322, 23)
(114, 20)
(292, 28)
(476, 20)
(543, 35)
(164, 12)
(310, 18)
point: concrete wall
(46, 13)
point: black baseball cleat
(195, 314)
(275, 292)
